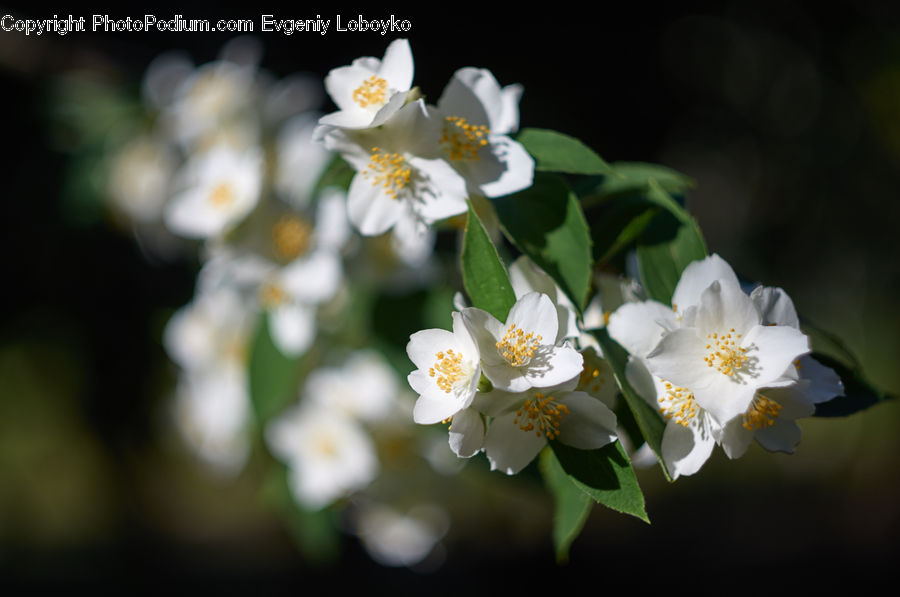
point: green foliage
(670, 242)
(605, 475)
(547, 224)
(648, 420)
(556, 152)
(273, 376)
(571, 505)
(628, 178)
(484, 276)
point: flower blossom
(370, 91)
(476, 116)
(523, 352)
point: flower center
(678, 404)
(541, 414)
(271, 295)
(590, 379)
(724, 355)
(292, 237)
(462, 140)
(222, 195)
(762, 413)
(372, 92)
(389, 170)
(325, 445)
(517, 347)
(449, 369)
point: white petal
(397, 65)
(518, 168)
(535, 313)
(775, 306)
(508, 448)
(435, 406)
(686, 449)
(636, 326)
(466, 433)
(313, 278)
(734, 438)
(697, 277)
(371, 210)
(824, 384)
(553, 365)
(293, 328)
(778, 347)
(589, 424)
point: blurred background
(786, 114)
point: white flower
(220, 188)
(215, 98)
(328, 455)
(723, 353)
(527, 277)
(393, 180)
(447, 371)
(476, 115)
(522, 353)
(525, 421)
(370, 91)
(212, 410)
(139, 178)
(365, 387)
(396, 539)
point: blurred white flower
(328, 455)
(220, 187)
(364, 388)
(393, 538)
(140, 174)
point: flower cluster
(722, 366)
(536, 376)
(416, 164)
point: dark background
(788, 117)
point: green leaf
(557, 152)
(670, 242)
(648, 420)
(636, 177)
(273, 376)
(571, 505)
(338, 173)
(858, 394)
(620, 223)
(484, 276)
(604, 474)
(547, 224)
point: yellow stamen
(390, 170)
(271, 295)
(448, 368)
(762, 413)
(678, 404)
(222, 195)
(541, 415)
(292, 236)
(724, 354)
(517, 347)
(372, 92)
(462, 140)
